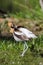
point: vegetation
(24, 8)
(10, 52)
(27, 13)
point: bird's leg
(25, 48)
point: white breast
(16, 38)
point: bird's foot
(22, 55)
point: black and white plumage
(22, 34)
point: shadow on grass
(6, 38)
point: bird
(21, 33)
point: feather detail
(28, 33)
(20, 36)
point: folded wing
(28, 33)
(19, 36)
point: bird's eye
(12, 26)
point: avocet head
(12, 27)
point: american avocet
(22, 34)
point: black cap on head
(14, 26)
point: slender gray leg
(25, 49)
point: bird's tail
(32, 36)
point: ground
(10, 50)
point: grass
(10, 52)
